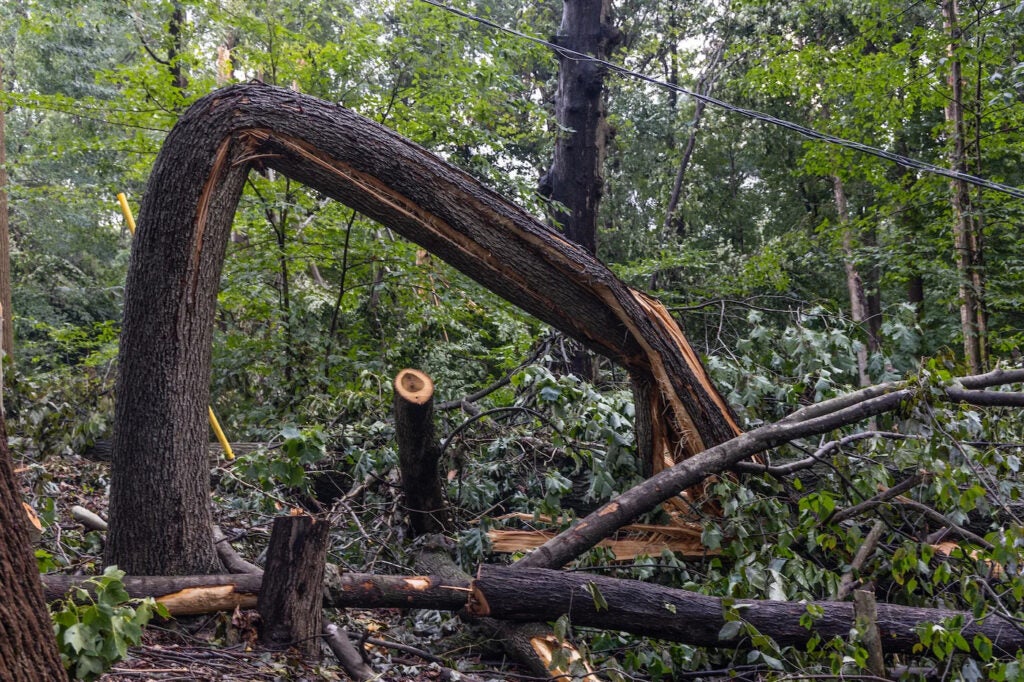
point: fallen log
(530, 594)
(537, 594)
(194, 594)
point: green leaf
(730, 631)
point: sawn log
(516, 593)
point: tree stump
(418, 453)
(292, 593)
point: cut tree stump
(291, 596)
(418, 453)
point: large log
(529, 594)
(193, 594)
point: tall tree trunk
(7, 336)
(575, 180)
(159, 506)
(28, 651)
(964, 231)
(854, 284)
(175, 49)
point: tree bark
(291, 596)
(28, 650)
(159, 463)
(696, 619)
(854, 283)
(575, 181)
(6, 309)
(418, 453)
(964, 229)
(192, 594)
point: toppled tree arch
(178, 253)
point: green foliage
(319, 307)
(95, 626)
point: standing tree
(28, 651)
(965, 231)
(575, 180)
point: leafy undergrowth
(551, 445)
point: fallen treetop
(812, 420)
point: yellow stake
(126, 209)
(220, 435)
(228, 452)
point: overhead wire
(810, 133)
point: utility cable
(810, 133)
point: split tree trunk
(159, 464)
(28, 650)
(418, 453)
(291, 596)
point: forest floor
(398, 645)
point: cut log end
(414, 386)
(477, 604)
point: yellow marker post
(228, 452)
(220, 435)
(127, 211)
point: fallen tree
(194, 594)
(177, 255)
(812, 420)
(531, 595)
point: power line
(810, 133)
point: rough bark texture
(28, 651)
(576, 180)
(693, 618)
(418, 453)
(291, 596)
(159, 462)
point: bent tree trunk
(159, 462)
(28, 651)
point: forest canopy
(799, 269)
